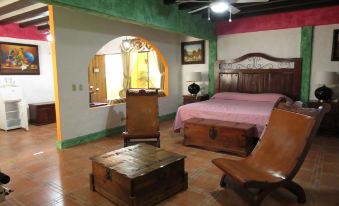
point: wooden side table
(192, 99)
(330, 123)
(42, 113)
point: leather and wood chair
(142, 124)
(277, 157)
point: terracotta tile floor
(42, 175)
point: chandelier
(137, 44)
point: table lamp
(324, 93)
(194, 88)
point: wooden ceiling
(25, 13)
(32, 13)
(252, 9)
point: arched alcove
(125, 62)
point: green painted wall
(306, 47)
(151, 13)
(212, 58)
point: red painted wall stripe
(14, 31)
(309, 17)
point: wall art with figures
(19, 59)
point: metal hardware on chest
(213, 133)
(108, 174)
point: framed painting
(193, 52)
(335, 46)
(19, 59)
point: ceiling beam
(43, 27)
(169, 1)
(261, 4)
(34, 21)
(191, 5)
(297, 5)
(24, 16)
(279, 3)
(255, 8)
(16, 6)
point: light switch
(96, 70)
(80, 87)
(74, 87)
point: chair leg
(251, 198)
(262, 194)
(296, 190)
(158, 142)
(125, 142)
(223, 181)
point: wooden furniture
(97, 104)
(330, 123)
(138, 175)
(142, 124)
(97, 80)
(277, 157)
(42, 113)
(192, 99)
(219, 135)
(259, 73)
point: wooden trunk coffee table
(138, 175)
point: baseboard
(89, 137)
(167, 117)
(101, 134)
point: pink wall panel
(309, 17)
(14, 31)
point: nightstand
(192, 99)
(330, 123)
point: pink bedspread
(254, 112)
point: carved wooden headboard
(259, 73)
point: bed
(246, 90)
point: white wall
(112, 47)
(203, 68)
(76, 42)
(283, 43)
(321, 59)
(36, 88)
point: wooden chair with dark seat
(142, 124)
(277, 157)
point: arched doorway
(123, 63)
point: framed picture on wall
(335, 46)
(19, 59)
(193, 52)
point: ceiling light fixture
(136, 44)
(126, 45)
(49, 37)
(219, 6)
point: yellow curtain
(128, 63)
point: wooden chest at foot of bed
(217, 135)
(138, 175)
